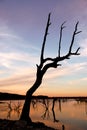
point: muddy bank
(22, 125)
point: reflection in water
(12, 108)
(80, 102)
(45, 104)
(47, 112)
(86, 107)
(60, 105)
(56, 120)
(17, 108)
(54, 100)
(9, 110)
(62, 114)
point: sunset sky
(22, 27)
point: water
(57, 113)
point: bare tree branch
(73, 37)
(44, 41)
(55, 60)
(67, 56)
(62, 27)
(77, 51)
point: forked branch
(54, 62)
(73, 38)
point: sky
(22, 27)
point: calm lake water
(71, 114)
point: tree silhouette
(45, 64)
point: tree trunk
(26, 108)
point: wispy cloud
(83, 44)
(84, 79)
(17, 80)
(15, 49)
(28, 75)
(10, 40)
(10, 57)
(68, 70)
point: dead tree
(45, 64)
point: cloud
(84, 79)
(17, 56)
(24, 78)
(28, 75)
(17, 80)
(17, 63)
(11, 39)
(83, 44)
(15, 50)
(78, 82)
(68, 70)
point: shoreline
(6, 124)
(10, 96)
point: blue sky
(22, 26)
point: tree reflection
(13, 107)
(82, 100)
(17, 108)
(9, 105)
(46, 113)
(86, 107)
(47, 103)
(53, 105)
